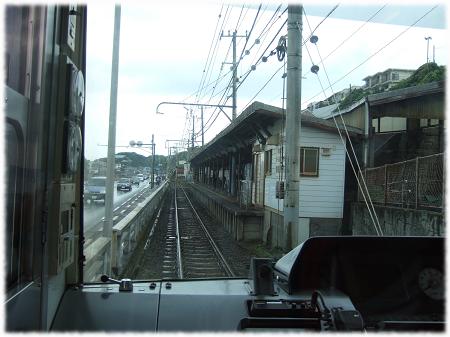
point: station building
(239, 176)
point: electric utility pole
(153, 160)
(293, 125)
(201, 117)
(111, 164)
(234, 67)
(193, 130)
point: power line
(253, 68)
(312, 32)
(351, 35)
(345, 40)
(270, 79)
(264, 32)
(377, 52)
(208, 65)
(371, 209)
(249, 34)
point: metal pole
(112, 127)
(233, 117)
(193, 129)
(153, 161)
(109, 196)
(203, 136)
(428, 38)
(293, 125)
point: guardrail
(124, 239)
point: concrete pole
(203, 136)
(193, 130)
(293, 125)
(234, 77)
(153, 161)
(109, 197)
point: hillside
(426, 73)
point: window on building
(309, 161)
(395, 77)
(434, 122)
(268, 162)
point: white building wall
(322, 196)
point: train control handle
(125, 284)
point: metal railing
(416, 183)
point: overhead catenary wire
(225, 19)
(209, 53)
(375, 53)
(240, 83)
(213, 117)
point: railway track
(190, 251)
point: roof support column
(233, 174)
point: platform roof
(252, 124)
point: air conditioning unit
(326, 151)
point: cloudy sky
(173, 52)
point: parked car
(124, 184)
(135, 180)
(95, 190)
(140, 176)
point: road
(94, 214)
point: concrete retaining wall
(126, 234)
(397, 221)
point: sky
(173, 52)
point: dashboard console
(325, 284)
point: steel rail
(216, 249)
(180, 264)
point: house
(384, 80)
(237, 174)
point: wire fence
(416, 183)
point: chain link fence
(416, 183)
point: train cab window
(17, 79)
(18, 48)
(14, 154)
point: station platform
(244, 223)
